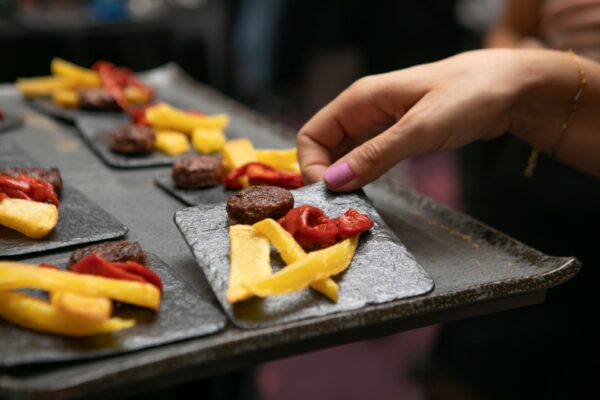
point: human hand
(382, 119)
(572, 24)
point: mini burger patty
(132, 139)
(256, 203)
(197, 172)
(97, 99)
(120, 250)
(50, 175)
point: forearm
(551, 82)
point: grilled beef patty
(256, 203)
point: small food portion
(313, 230)
(29, 205)
(285, 160)
(197, 172)
(132, 139)
(115, 251)
(206, 141)
(250, 261)
(236, 153)
(103, 87)
(171, 143)
(256, 203)
(93, 99)
(50, 175)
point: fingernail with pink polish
(338, 175)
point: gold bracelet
(533, 157)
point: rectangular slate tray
(382, 269)
(46, 106)
(79, 220)
(183, 314)
(210, 195)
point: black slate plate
(211, 195)
(46, 106)
(10, 121)
(382, 269)
(79, 221)
(183, 314)
(96, 132)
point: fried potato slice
(249, 261)
(83, 76)
(81, 306)
(164, 116)
(136, 95)
(206, 141)
(66, 98)
(32, 313)
(31, 218)
(291, 252)
(44, 85)
(236, 153)
(316, 266)
(22, 276)
(286, 159)
(171, 143)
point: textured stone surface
(183, 314)
(10, 121)
(382, 270)
(80, 220)
(194, 197)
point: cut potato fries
(22, 276)
(32, 313)
(66, 98)
(83, 76)
(207, 141)
(250, 260)
(236, 153)
(85, 307)
(286, 159)
(315, 266)
(291, 252)
(171, 143)
(164, 116)
(31, 218)
(45, 85)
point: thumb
(371, 159)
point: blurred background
(285, 59)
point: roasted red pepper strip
(115, 79)
(313, 230)
(28, 188)
(262, 174)
(128, 270)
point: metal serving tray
(476, 269)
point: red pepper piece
(125, 270)
(352, 223)
(262, 174)
(28, 188)
(145, 273)
(115, 80)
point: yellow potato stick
(66, 98)
(207, 141)
(164, 116)
(135, 95)
(249, 261)
(83, 76)
(291, 252)
(22, 276)
(85, 307)
(45, 85)
(280, 159)
(31, 218)
(171, 143)
(236, 153)
(29, 312)
(315, 266)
